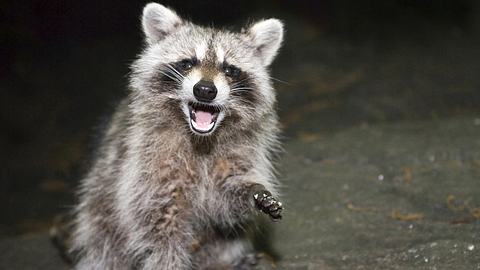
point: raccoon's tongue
(203, 119)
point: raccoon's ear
(267, 36)
(158, 22)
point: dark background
(64, 65)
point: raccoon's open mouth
(203, 117)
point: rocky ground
(381, 167)
(390, 196)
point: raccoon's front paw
(267, 204)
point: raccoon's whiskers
(241, 107)
(242, 89)
(172, 97)
(174, 78)
(278, 80)
(176, 71)
(250, 104)
(238, 83)
(222, 107)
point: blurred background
(379, 102)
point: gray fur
(160, 196)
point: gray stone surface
(29, 252)
(391, 196)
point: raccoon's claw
(267, 204)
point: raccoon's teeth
(192, 115)
(203, 117)
(203, 121)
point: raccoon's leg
(222, 253)
(95, 261)
(165, 238)
(247, 262)
(96, 250)
(61, 236)
(168, 256)
(247, 195)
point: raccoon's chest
(214, 179)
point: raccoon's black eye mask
(186, 64)
(231, 71)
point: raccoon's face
(204, 77)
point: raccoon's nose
(205, 91)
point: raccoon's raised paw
(267, 204)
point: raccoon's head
(206, 79)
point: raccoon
(184, 165)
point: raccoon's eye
(187, 64)
(231, 71)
